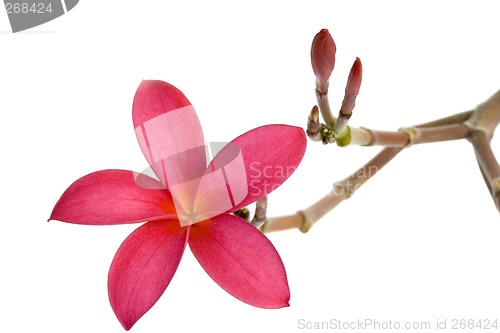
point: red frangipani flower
(190, 203)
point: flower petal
(271, 154)
(169, 132)
(241, 260)
(143, 267)
(113, 197)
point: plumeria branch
(477, 126)
(260, 213)
(450, 128)
(342, 190)
(259, 217)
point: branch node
(496, 186)
(370, 134)
(344, 138)
(413, 135)
(308, 223)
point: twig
(324, 107)
(260, 213)
(482, 124)
(488, 164)
(408, 135)
(476, 125)
(341, 191)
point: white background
(420, 242)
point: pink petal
(270, 153)
(113, 197)
(169, 132)
(143, 267)
(241, 260)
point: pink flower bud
(351, 92)
(313, 125)
(323, 55)
(354, 80)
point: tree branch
(476, 125)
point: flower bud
(323, 55)
(313, 125)
(351, 92)
(354, 80)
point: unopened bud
(323, 55)
(313, 125)
(351, 92)
(354, 80)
